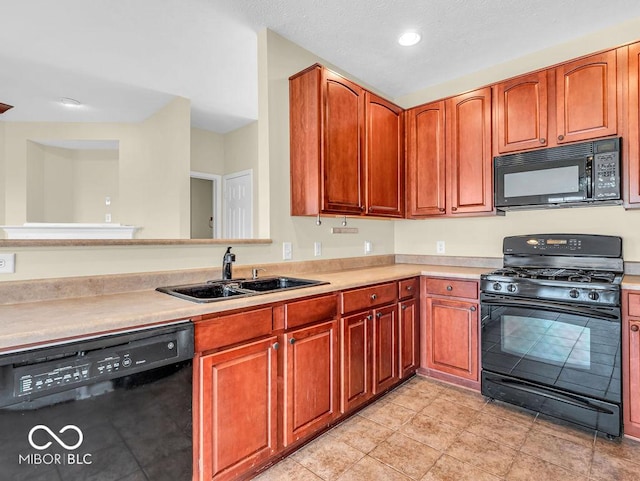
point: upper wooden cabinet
(346, 149)
(521, 111)
(384, 157)
(571, 102)
(469, 160)
(449, 156)
(426, 181)
(633, 144)
(586, 98)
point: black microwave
(569, 175)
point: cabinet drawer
(634, 304)
(367, 297)
(408, 287)
(453, 288)
(310, 310)
(227, 330)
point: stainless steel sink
(267, 284)
(220, 290)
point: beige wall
(154, 163)
(95, 177)
(207, 151)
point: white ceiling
(125, 59)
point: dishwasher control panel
(40, 372)
(93, 366)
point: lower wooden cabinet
(631, 362)
(408, 337)
(355, 360)
(385, 348)
(451, 331)
(238, 409)
(310, 384)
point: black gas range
(551, 328)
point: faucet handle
(255, 270)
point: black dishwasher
(113, 407)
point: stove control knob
(512, 288)
(497, 286)
(594, 296)
(574, 293)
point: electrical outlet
(287, 251)
(317, 249)
(7, 263)
(107, 200)
(440, 247)
(107, 218)
(368, 247)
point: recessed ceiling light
(69, 102)
(408, 39)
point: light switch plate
(287, 251)
(440, 247)
(317, 249)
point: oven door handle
(592, 311)
(550, 394)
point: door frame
(216, 200)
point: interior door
(238, 205)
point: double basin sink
(225, 289)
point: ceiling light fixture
(69, 102)
(409, 39)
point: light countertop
(26, 324)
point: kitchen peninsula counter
(31, 323)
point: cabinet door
(633, 173)
(469, 161)
(586, 98)
(385, 348)
(238, 411)
(632, 385)
(408, 337)
(521, 107)
(310, 380)
(343, 115)
(452, 337)
(426, 160)
(384, 158)
(355, 360)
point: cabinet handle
(560, 137)
(543, 140)
(404, 306)
(454, 208)
(409, 288)
(374, 297)
(276, 345)
(378, 315)
(634, 327)
(449, 288)
(369, 317)
(472, 308)
(441, 209)
(292, 340)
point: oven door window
(573, 352)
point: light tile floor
(425, 430)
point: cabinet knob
(378, 315)
(560, 137)
(404, 306)
(369, 317)
(409, 288)
(374, 297)
(634, 327)
(292, 340)
(441, 209)
(543, 140)
(472, 308)
(276, 345)
(449, 288)
(454, 208)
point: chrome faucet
(254, 272)
(227, 260)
